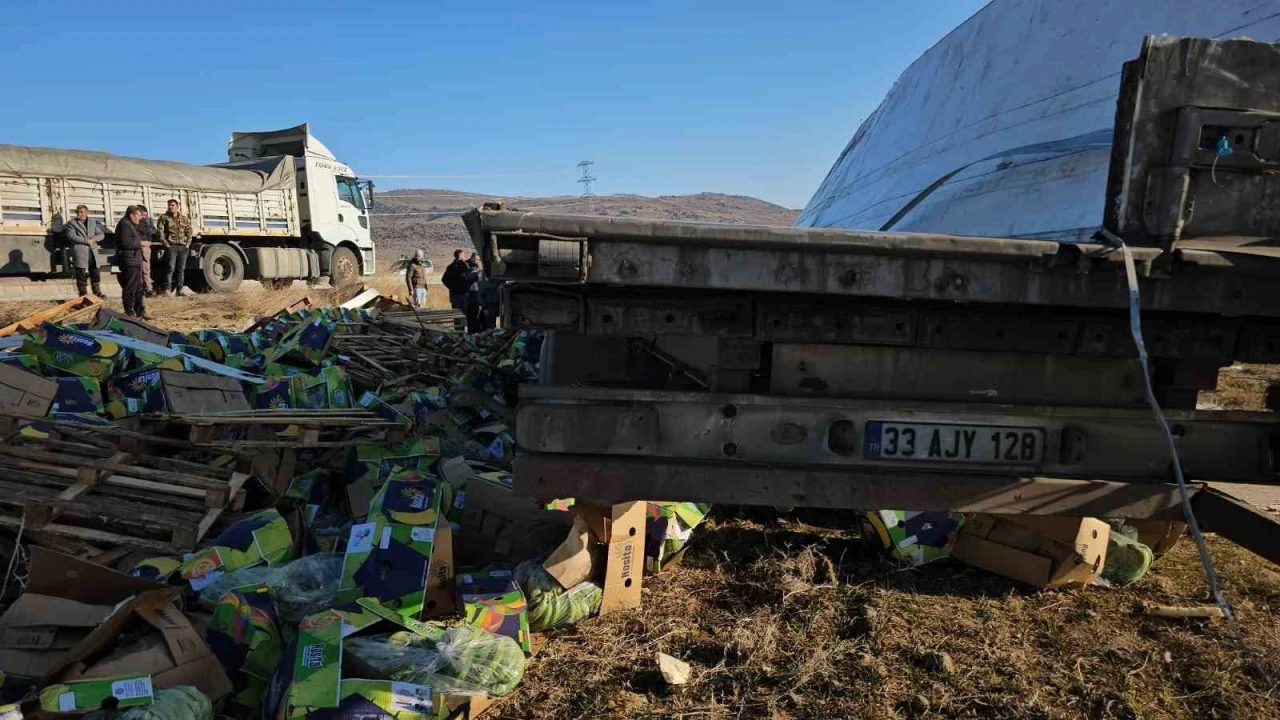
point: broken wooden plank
(65, 312)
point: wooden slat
(94, 536)
(157, 476)
(56, 314)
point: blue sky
(745, 97)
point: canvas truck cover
(275, 173)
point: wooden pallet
(206, 428)
(102, 496)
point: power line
(587, 181)
(479, 176)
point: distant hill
(405, 220)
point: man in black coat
(454, 278)
(129, 238)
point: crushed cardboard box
(1039, 551)
(65, 625)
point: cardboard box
(620, 530)
(327, 388)
(370, 698)
(492, 600)
(192, 393)
(1039, 551)
(156, 389)
(20, 361)
(315, 680)
(1159, 535)
(132, 690)
(78, 395)
(403, 555)
(72, 613)
(264, 537)
(176, 654)
(497, 525)
(108, 319)
(25, 393)
(71, 351)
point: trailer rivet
(729, 412)
(730, 449)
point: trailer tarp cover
(276, 173)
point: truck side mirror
(366, 187)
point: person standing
(85, 234)
(147, 228)
(453, 280)
(415, 277)
(471, 302)
(129, 253)
(174, 230)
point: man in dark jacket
(453, 280)
(471, 299)
(84, 234)
(129, 237)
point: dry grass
(1241, 387)
(793, 618)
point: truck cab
(333, 203)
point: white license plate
(883, 440)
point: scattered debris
(311, 515)
(1206, 612)
(674, 671)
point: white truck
(283, 208)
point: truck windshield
(349, 191)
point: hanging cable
(1135, 328)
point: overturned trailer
(861, 369)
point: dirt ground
(237, 310)
(792, 616)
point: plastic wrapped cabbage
(301, 588)
(465, 659)
(1127, 559)
(550, 605)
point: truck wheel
(277, 284)
(343, 268)
(223, 269)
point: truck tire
(222, 268)
(277, 284)
(343, 267)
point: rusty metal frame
(765, 317)
(904, 266)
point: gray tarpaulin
(275, 173)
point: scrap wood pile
(311, 518)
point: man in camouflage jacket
(174, 229)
